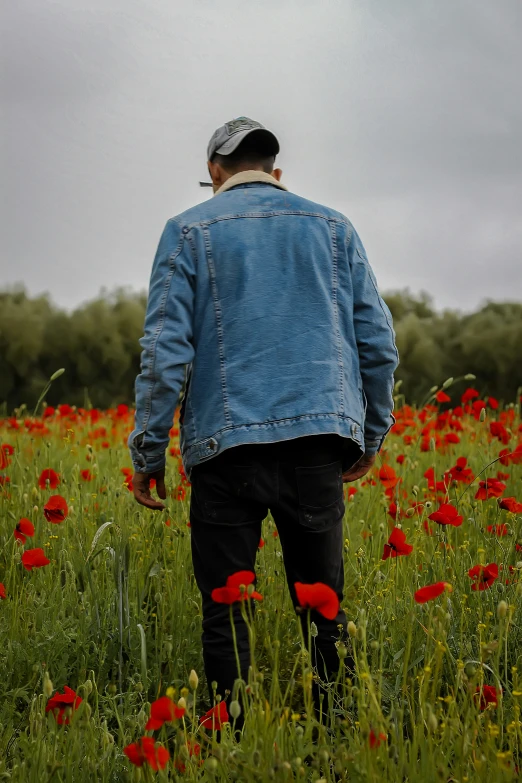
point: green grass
(116, 616)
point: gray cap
(227, 138)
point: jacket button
(212, 444)
(184, 230)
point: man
(269, 301)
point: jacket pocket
(225, 495)
(320, 495)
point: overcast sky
(405, 115)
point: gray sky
(405, 116)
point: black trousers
(300, 481)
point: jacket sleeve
(167, 348)
(378, 357)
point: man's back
(276, 300)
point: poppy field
(101, 674)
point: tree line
(97, 345)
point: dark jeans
(300, 481)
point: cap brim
(266, 139)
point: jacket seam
(274, 213)
(157, 334)
(335, 302)
(219, 325)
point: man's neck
(252, 175)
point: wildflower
(86, 475)
(460, 472)
(493, 403)
(190, 749)
(318, 596)
(488, 695)
(34, 558)
(48, 478)
(3, 594)
(469, 394)
(490, 488)
(446, 515)
(56, 510)
(232, 593)
(397, 545)
(429, 592)
(498, 530)
(388, 477)
(483, 576)
(163, 710)
(146, 750)
(60, 702)
(24, 530)
(215, 717)
(498, 430)
(451, 437)
(400, 458)
(510, 504)
(261, 543)
(441, 396)
(376, 739)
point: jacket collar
(244, 177)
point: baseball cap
(230, 135)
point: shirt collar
(244, 177)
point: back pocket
(227, 494)
(320, 495)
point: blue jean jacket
(265, 303)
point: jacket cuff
(142, 463)
(372, 447)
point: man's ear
(277, 174)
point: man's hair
(250, 153)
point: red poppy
(499, 431)
(24, 530)
(469, 395)
(490, 488)
(451, 437)
(441, 396)
(493, 403)
(488, 695)
(5, 452)
(388, 477)
(2, 591)
(447, 515)
(400, 459)
(460, 471)
(318, 596)
(163, 710)
(56, 510)
(193, 749)
(483, 576)
(498, 530)
(48, 478)
(231, 592)
(397, 545)
(86, 475)
(510, 504)
(60, 702)
(431, 591)
(34, 558)
(215, 717)
(146, 750)
(261, 543)
(376, 739)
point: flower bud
(482, 415)
(502, 609)
(470, 377)
(352, 628)
(57, 374)
(47, 686)
(447, 383)
(313, 630)
(193, 680)
(234, 709)
(182, 703)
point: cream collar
(249, 176)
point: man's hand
(360, 468)
(141, 489)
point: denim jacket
(266, 305)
